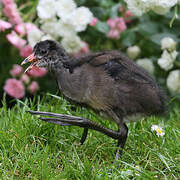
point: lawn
(33, 149)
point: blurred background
(150, 37)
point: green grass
(32, 149)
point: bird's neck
(58, 64)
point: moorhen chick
(106, 81)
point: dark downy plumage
(106, 81)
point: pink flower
(10, 10)
(7, 1)
(117, 23)
(26, 51)
(120, 24)
(127, 16)
(16, 70)
(93, 22)
(25, 78)
(117, 26)
(24, 28)
(83, 50)
(37, 72)
(33, 87)
(4, 25)
(121, 9)
(15, 40)
(113, 33)
(111, 22)
(14, 88)
(20, 29)
(128, 13)
(29, 27)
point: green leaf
(128, 38)
(158, 37)
(102, 27)
(114, 10)
(100, 13)
(148, 28)
(106, 3)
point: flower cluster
(167, 61)
(62, 19)
(138, 7)
(147, 64)
(118, 24)
(59, 20)
(173, 81)
(20, 28)
(17, 85)
(168, 45)
(17, 37)
(10, 10)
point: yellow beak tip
(22, 63)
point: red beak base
(31, 59)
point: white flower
(80, 18)
(168, 44)
(167, 59)
(173, 81)
(64, 8)
(158, 129)
(163, 6)
(72, 44)
(64, 29)
(174, 54)
(34, 36)
(49, 27)
(146, 64)
(46, 37)
(46, 9)
(138, 7)
(154, 127)
(133, 52)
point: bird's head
(46, 53)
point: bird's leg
(62, 119)
(123, 133)
(67, 120)
(84, 136)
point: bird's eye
(43, 51)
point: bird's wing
(80, 60)
(115, 64)
(120, 67)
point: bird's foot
(67, 120)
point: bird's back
(110, 81)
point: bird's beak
(32, 59)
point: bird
(107, 81)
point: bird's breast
(86, 85)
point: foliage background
(145, 31)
